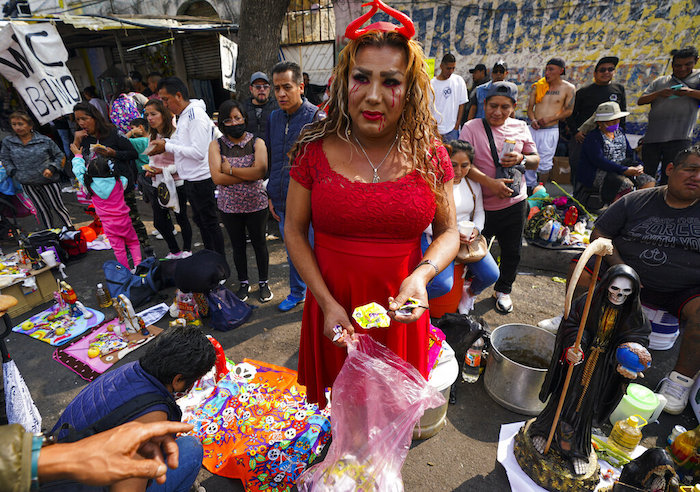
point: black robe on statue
(606, 386)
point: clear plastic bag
(377, 399)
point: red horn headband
(354, 30)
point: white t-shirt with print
(449, 94)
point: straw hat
(608, 111)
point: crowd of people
(354, 187)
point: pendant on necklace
(375, 178)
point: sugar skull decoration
(619, 290)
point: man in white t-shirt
(450, 98)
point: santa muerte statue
(586, 378)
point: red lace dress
(366, 242)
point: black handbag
(514, 172)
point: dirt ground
(461, 457)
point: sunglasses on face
(498, 71)
(607, 69)
(261, 87)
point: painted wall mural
(526, 33)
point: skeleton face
(619, 289)
(273, 454)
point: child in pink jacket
(106, 188)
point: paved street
(461, 457)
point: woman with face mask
(607, 164)
(238, 163)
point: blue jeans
(181, 478)
(297, 287)
(451, 135)
(483, 272)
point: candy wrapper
(371, 315)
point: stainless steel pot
(515, 384)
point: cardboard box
(28, 299)
(561, 171)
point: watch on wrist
(524, 161)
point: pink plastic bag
(377, 399)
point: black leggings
(256, 224)
(164, 224)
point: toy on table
(70, 298)
(583, 381)
(106, 343)
(185, 307)
(127, 316)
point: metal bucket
(517, 364)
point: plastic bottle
(104, 299)
(627, 433)
(677, 431)
(685, 451)
(472, 361)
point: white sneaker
(551, 324)
(158, 235)
(466, 303)
(504, 303)
(154, 232)
(676, 388)
(185, 254)
(173, 256)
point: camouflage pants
(130, 199)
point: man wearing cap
(588, 98)
(498, 74)
(450, 98)
(551, 100)
(259, 106)
(505, 210)
(479, 77)
(674, 103)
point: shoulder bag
(478, 248)
(514, 172)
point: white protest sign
(229, 54)
(32, 57)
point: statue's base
(552, 471)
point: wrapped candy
(371, 315)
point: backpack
(46, 239)
(74, 244)
(226, 310)
(140, 286)
(124, 109)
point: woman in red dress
(370, 178)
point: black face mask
(235, 131)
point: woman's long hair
(166, 115)
(418, 133)
(102, 126)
